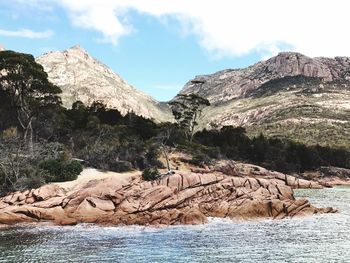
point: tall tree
(186, 109)
(30, 91)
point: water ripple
(323, 238)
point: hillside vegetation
(297, 108)
(39, 137)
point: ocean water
(322, 238)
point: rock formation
(81, 77)
(237, 83)
(182, 198)
(290, 96)
(329, 176)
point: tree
(186, 109)
(26, 83)
(8, 117)
(163, 142)
(18, 169)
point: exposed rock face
(229, 84)
(290, 95)
(254, 171)
(329, 176)
(81, 77)
(182, 198)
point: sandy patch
(89, 174)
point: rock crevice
(182, 198)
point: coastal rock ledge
(181, 198)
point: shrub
(53, 167)
(150, 174)
(58, 171)
(200, 159)
(71, 171)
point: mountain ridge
(287, 96)
(82, 77)
(236, 83)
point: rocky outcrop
(254, 171)
(81, 77)
(181, 198)
(329, 176)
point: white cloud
(26, 33)
(103, 16)
(227, 27)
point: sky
(159, 45)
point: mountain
(287, 96)
(290, 95)
(82, 77)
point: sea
(317, 238)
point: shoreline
(211, 220)
(332, 181)
(238, 192)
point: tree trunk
(25, 120)
(28, 136)
(166, 158)
(30, 141)
(192, 125)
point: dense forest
(41, 141)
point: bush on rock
(150, 174)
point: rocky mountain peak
(226, 85)
(82, 77)
(78, 52)
(292, 64)
(2, 47)
(78, 48)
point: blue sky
(158, 45)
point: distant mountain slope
(81, 77)
(290, 95)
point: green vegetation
(60, 171)
(186, 109)
(27, 89)
(150, 174)
(321, 133)
(20, 167)
(200, 159)
(38, 137)
(275, 154)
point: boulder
(193, 217)
(45, 192)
